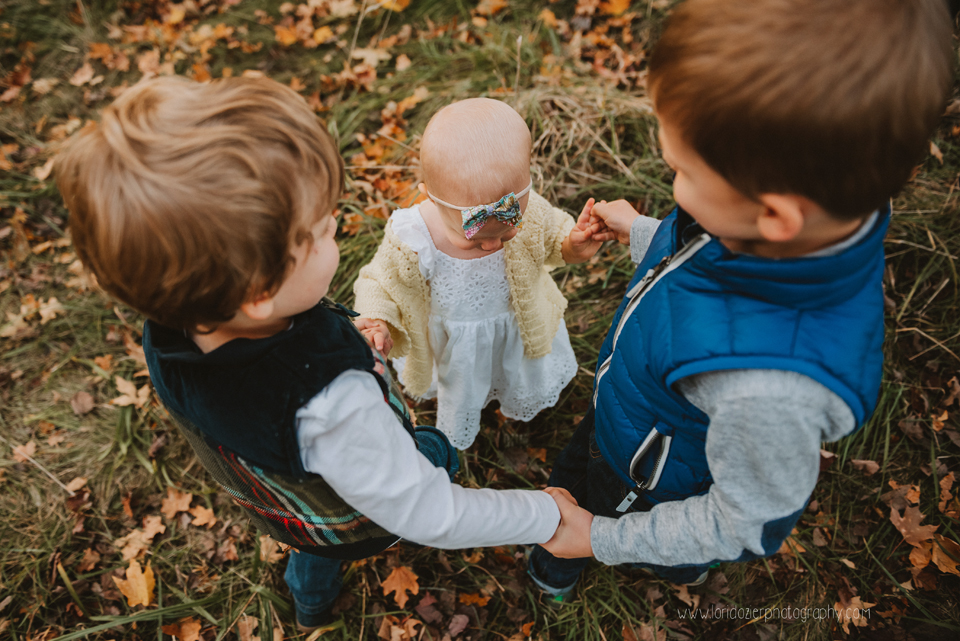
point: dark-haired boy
(752, 330)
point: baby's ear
(783, 217)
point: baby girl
(459, 287)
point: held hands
(377, 332)
(616, 218)
(572, 538)
(585, 238)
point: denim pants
(315, 581)
(582, 470)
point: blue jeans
(582, 470)
(315, 581)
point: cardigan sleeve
(373, 300)
(556, 227)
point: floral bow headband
(506, 210)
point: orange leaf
(401, 581)
(184, 629)
(490, 7)
(90, 559)
(138, 586)
(614, 7)
(909, 526)
(527, 628)
(476, 599)
(395, 5)
(176, 501)
(946, 554)
(202, 516)
(286, 36)
(920, 555)
(23, 453)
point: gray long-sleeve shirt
(763, 446)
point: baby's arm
(763, 445)
(379, 314)
(350, 436)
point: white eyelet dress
(476, 341)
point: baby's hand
(572, 538)
(583, 241)
(617, 217)
(377, 332)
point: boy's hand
(618, 217)
(572, 538)
(584, 240)
(377, 332)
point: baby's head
(829, 100)
(475, 152)
(189, 200)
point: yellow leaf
(401, 581)
(548, 18)
(138, 586)
(614, 7)
(323, 35)
(395, 5)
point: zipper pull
(631, 496)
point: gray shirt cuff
(641, 234)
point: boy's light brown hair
(186, 200)
(832, 100)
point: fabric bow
(506, 210)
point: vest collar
(801, 282)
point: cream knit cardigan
(392, 289)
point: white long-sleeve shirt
(348, 434)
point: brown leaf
(683, 593)
(90, 559)
(401, 581)
(488, 8)
(185, 629)
(23, 453)
(138, 586)
(920, 555)
(909, 526)
(270, 550)
(175, 501)
(42, 173)
(83, 75)
(246, 626)
(458, 623)
(82, 403)
(935, 152)
(946, 554)
(867, 467)
(202, 516)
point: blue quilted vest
(694, 306)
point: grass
(593, 137)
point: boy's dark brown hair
(832, 100)
(187, 198)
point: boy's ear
(260, 308)
(783, 217)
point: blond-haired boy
(209, 209)
(752, 330)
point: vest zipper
(636, 293)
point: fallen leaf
(474, 599)
(458, 623)
(935, 152)
(683, 593)
(138, 586)
(43, 86)
(76, 484)
(202, 516)
(426, 609)
(395, 5)
(850, 564)
(175, 501)
(23, 453)
(401, 581)
(83, 75)
(946, 554)
(82, 403)
(403, 62)
(488, 8)
(614, 7)
(909, 526)
(246, 626)
(41, 173)
(867, 467)
(270, 551)
(90, 559)
(286, 36)
(185, 629)
(324, 35)
(920, 556)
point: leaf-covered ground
(110, 528)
